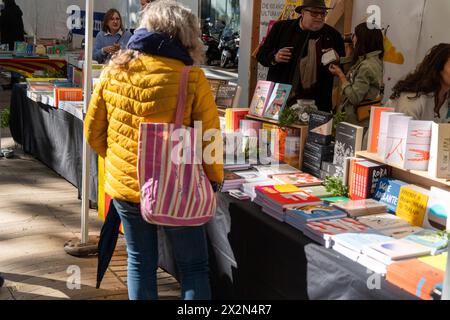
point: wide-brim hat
(312, 4)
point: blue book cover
(436, 241)
(388, 190)
(308, 213)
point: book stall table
(332, 276)
(27, 66)
(53, 136)
(254, 256)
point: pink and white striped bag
(173, 193)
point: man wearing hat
(293, 51)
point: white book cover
(357, 241)
(439, 164)
(418, 145)
(384, 126)
(397, 134)
(372, 264)
(346, 252)
(395, 250)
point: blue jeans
(190, 252)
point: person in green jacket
(363, 83)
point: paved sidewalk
(39, 211)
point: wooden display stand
(303, 133)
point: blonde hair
(169, 17)
(178, 22)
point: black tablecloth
(332, 276)
(53, 136)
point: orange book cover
(414, 276)
(68, 94)
(374, 128)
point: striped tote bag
(173, 192)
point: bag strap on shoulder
(182, 95)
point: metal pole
(446, 284)
(89, 27)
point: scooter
(210, 38)
(229, 45)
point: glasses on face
(317, 14)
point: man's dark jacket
(287, 33)
(11, 25)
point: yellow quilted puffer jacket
(146, 93)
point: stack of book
(232, 181)
(299, 216)
(322, 231)
(276, 199)
(357, 208)
(318, 148)
(300, 179)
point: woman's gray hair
(178, 22)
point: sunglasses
(317, 14)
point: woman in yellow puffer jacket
(141, 85)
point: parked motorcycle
(211, 36)
(229, 45)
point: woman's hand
(111, 49)
(337, 71)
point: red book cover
(286, 195)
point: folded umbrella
(107, 242)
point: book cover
(418, 144)
(412, 204)
(434, 240)
(438, 209)
(348, 141)
(214, 85)
(286, 195)
(357, 241)
(415, 277)
(326, 152)
(395, 152)
(336, 226)
(383, 133)
(233, 117)
(439, 164)
(301, 179)
(277, 101)
(261, 97)
(318, 191)
(400, 232)
(307, 213)
(439, 261)
(388, 191)
(356, 208)
(396, 249)
(227, 96)
(374, 127)
(383, 221)
(320, 127)
(366, 175)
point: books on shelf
(357, 208)
(388, 191)
(261, 97)
(320, 127)
(412, 204)
(383, 133)
(233, 117)
(397, 134)
(231, 181)
(214, 85)
(374, 127)
(228, 95)
(348, 141)
(277, 101)
(364, 179)
(418, 145)
(67, 94)
(439, 164)
(285, 196)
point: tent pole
(86, 246)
